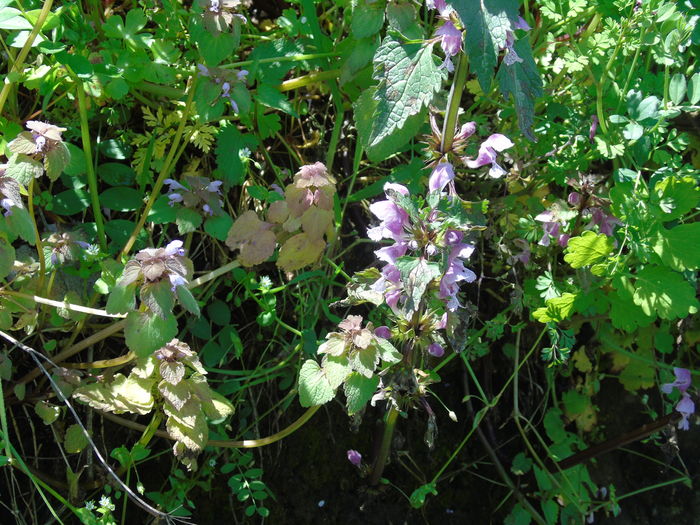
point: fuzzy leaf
(314, 387)
(124, 394)
(522, 80)
(146, 332)
(299, 251)
(187, 300)
(315, 222)
(23, 169)
(176, 394)
(158, 297)
(172, 372)
(588, 249)
(408, 77)
(359, 390)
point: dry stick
(130, 493)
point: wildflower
(219, 15)
(685, 406)
(450, 42)
(440, 5)
(436, 350)
(594, 127)
(199, 192)
(605, 222)
(64, 247)
(227, 79)
(9, 191)
(488, 152)
(456, 272)
(392, 216)
(682, 381)
(442, 175)
(43, 142)
(156, 264)
(554, 219)
(354, 457)
(383, 332)
(352, 337)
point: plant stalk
(385, 447)
(455, 97)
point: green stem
(45, 10)
(164, 172)
(455, 97)
(385, 447)
(90, 166)
(37, 235)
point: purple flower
(682, 381)
(456, 272)
(203, 70)
(574, 198)
(174, 185)
(173, 198)
(442, 175)
(686, 407)
(393, 218)
(511, 57)
(7, 204)
(174, 249)
(176, 280)
(383, 332)
(215, 186)
(453, 237)
(450, 42)
(488, 152)
(594, 127)
(524, 255)
(440, 5)
(605, 222)
(551, 227)
(521, 24)
(466, 131)
(354, 457)
(389, 254)
(436, 350)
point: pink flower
(442, 175)
(450, 42)
(354, 457)
(456, 272)
(436, 350)
(393, 218)
(383, 332)
(488, 152)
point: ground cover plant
(362, 261)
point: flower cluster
(155, 265)
(228, 79)
(425, 237)
(685, 406)
(62, 247)
(43, 142)
(198, 191)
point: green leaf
(659, 290)
(677, 88)
(70, 202)
(387, 352)
(522, 80)
(47, 412)
(158, 297)
(75, 439)
(675, 196)
(7, 257)
(187, 220)
(23, 169)
(359, 390)
(408, 77)
(146, 332)
(230, 143)
(122, 198)
(122, 299)
(116, 174)
(187, 300)
(416, 275)
(314, 386)
(679, 247)
(418, 496)
(557, 309)
(588, 249)
(365, 107)
(273, 98)
(694, 89)
(367, 17)
(487, 25)
(521, 464)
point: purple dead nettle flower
(227, 79)
(685, 406)
(441, 5)
(488, 152)
(382, 331)
(442, 175)
(450, 42)
(219, 15)
(605, 222)
(202, 192)
(511, 57)
(153, 265)
(354, 457)
(393, 218)
(456, 271)
(64, 247)
(436, 350)
(9, 193)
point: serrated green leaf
(187, 220)
(487, 25)
(588, 249)
(659, 290)
(23, 169)
(679, 247)
(20, 222)
(146, 332)
(359, 390)
(408, 77)
(522, 80)
(123, 394)
(314, 387)
(158, 297)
